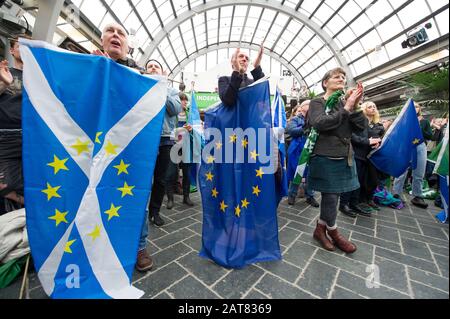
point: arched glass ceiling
(306, 36)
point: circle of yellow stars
(60, 164)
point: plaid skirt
(328, 175)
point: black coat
(335, 129)
(229, 85)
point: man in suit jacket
(230, 85)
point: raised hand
(5, 75)
(259, 57)
(354, 98)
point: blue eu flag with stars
(398, 147)
(240, 197)
(91, 131)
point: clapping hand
(5, 75)
(259, 57)
(353, 97)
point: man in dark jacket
(229, 85)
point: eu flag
(239, 191)
(398, 146)
(91, 131)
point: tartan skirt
(327, 175)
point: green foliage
(431, 89)
(312, 95)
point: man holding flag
(89, 153)
(240, 195)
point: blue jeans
(293, 190)
(144, 231)
(417, 174)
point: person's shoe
(419, 202)
(170, 203)
(187, 201)
(291, 200)
(144, 262)
(347, 211)
(157, 220)
(372, 204)
(397, 196)
(361, 209)
(312, 201)
(343, 244)
(321, 236)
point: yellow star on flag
(113, 211)
(209, 176)
(233, 138)
(95, 233)
(126, 190)
(97, 137)
(237, 211)
(51, 191)
(68, 244)
(244, 143)
(58, 164)
(223, 206)
(210, 159)
(244, 203)
(218, 145)
(80, 146)
(122, 167)
(215, 192)
(256, 190)
(110, 148)
(254, 155)
(416, 141)
(259, 172)
(59, 217)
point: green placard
(205, 100)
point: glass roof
(307, 37)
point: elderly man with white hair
(115, 45)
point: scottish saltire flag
(279, 126)
(239, 195)
(399, 144)
(91, 131)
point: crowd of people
(347, 129)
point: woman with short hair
(332, 168)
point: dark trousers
(172, 178)
(159, 180)
(360, 194)
(328, 211)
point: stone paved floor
(409, 247)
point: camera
(417, 38)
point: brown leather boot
(320, 235)
(343, 244)
(144, 261)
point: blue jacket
(173, 108)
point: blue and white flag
(398, 147)
(91, 130)
(278, 110)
